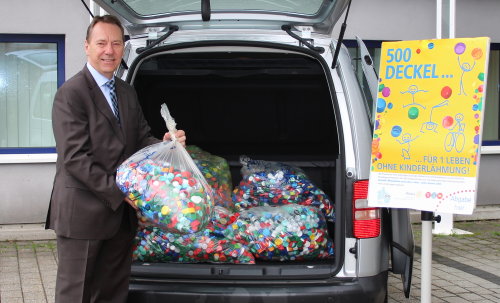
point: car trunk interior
(268, 106)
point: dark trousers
(94, 270)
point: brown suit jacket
(86, 202)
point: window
(491, 127)
(300, 7)
(31, 70)
(491, 122)
(374, 49)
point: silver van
(259, 78)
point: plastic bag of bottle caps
(221, 219)
(216, 171)
(287, 232)
(167, 186)
(154, 245)
(274, 183)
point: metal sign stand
(445, 28)
(427, 218)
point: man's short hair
(105, 19)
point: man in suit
(96, 127)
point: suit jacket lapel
(123, 105)
(102, 105)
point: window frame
(35, 154)
(493, 146)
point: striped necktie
(111, 85)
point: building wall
(390, 20)
(26, 187)
(69, 18)
(25, 192)
(488, 192)
(483, 18)
(416, 19)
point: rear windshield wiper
(205, 10)
(288, 29)
(171, 30)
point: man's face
(104, 48)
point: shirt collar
(98, 77)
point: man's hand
(180, 135)
(131, 203)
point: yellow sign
(427, 135)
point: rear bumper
(369, 289)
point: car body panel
(369, 289)
(360, 129)
(368, 68)
(401, 234)
(402, 246)
(361, 265)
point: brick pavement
(27, 271)
(465, 268)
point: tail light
(366, 219)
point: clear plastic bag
(274, 183)
(154, 245)
(287, 232)
(221, 219)
(167, 186)
(216, 171)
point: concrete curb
(36, 231)
(25, 232)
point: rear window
(298, 7)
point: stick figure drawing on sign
(406, 139)
(465, 68)
(429, 125)
(413, 89)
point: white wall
(25, 188)
(416, 19)
(478, 18)
(67, 17)
(25, 192)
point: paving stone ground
(27, 271)
(466, 268)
